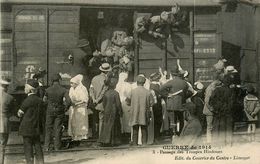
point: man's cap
(33, 83)
(140, 79)
(250, 88)
(56, 77)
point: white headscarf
(122, 87)
(80, 93)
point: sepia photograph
(130, 81)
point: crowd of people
(138, 113)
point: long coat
(111, 129)
(124, 90)
(141, 101)
(31, 124)
(6, 106)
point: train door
(29, 42)
(44, 37)
(63, 36)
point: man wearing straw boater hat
(6, 108)
(97, 91)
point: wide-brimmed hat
(198, 85)
(105, 67)
(231, 69)
(83, 43)
(164, 15)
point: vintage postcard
(130, 81)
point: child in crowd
(251, 107)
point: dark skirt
(111, 131)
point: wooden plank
(148, 56)
(205, 17)
(149, 63)
(70, 28)
(6, 20)
(39, 45)
(206, 27)
(63, 12)
(63, 19)
(6, 57)
(6, 35)
(6, 25)
(151, 50)
(148, 71)
(58, 52)
(28, 35)
(62, 36)
(63, 44)
(6, 51)
(30, 27)
(30, 52)
(30, 60)
(6, 65)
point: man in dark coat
(111, 129)
(198, 100)
(157, 107)
(141, 101)
(7, 105)
(176, 89)
(221, 100)
(31, 125)
(55, 112)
